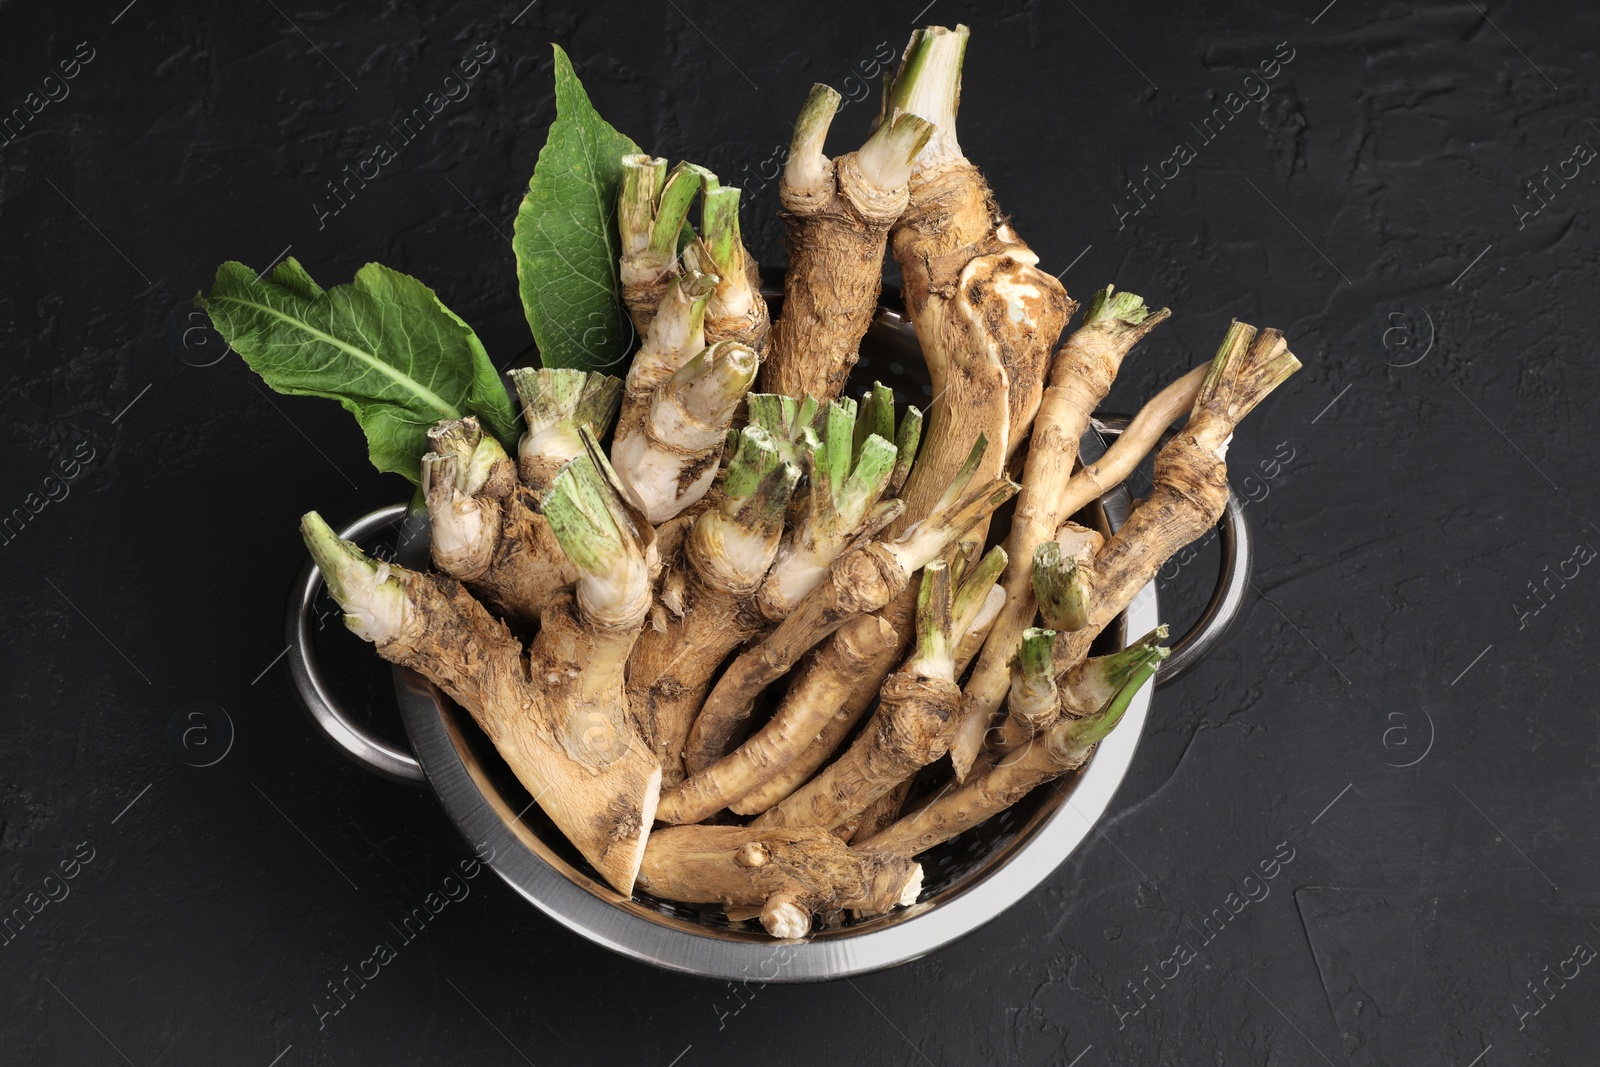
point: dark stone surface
(1391, 707)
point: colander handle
(373, 753)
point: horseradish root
(723, 560)
(465, 476)
(985, 315)
(809, 709)
(1092, 683)
(486, 527)
(612, 624)
(821, 707)
(864, 579)
(909, 731)
(669, 457)
(1080, 378)
(790, 873)
(556, 715)
(651, 211)
(989, 791)
(1134, 443)
(1190, 479)
(837, 215)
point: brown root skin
(981, 318)
(880, 814)
(899, 614)
(790, 873)
(452, 641)
(954, 246)
(909, 731)
(969, 400)
(1190, 481)
(804, 712)
(642, 296)
(578, 665)
(529, 568)
(610, 806)
(983, 795)
(985, 316)
(951, 219)
(860, 581)
(539, 471)
(557, 718)
(835, 237)
(1080, 377)
(1190, 493)
(939, 244)
(823, 704)
(671, 669)
(972, 391)
(1137, 441)
(705, 607)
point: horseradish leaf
(566, 239)
(383, 346)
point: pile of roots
(667, 553)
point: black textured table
(1362, 832)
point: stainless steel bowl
(968, 881)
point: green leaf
(383, 346)
(566, 238)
